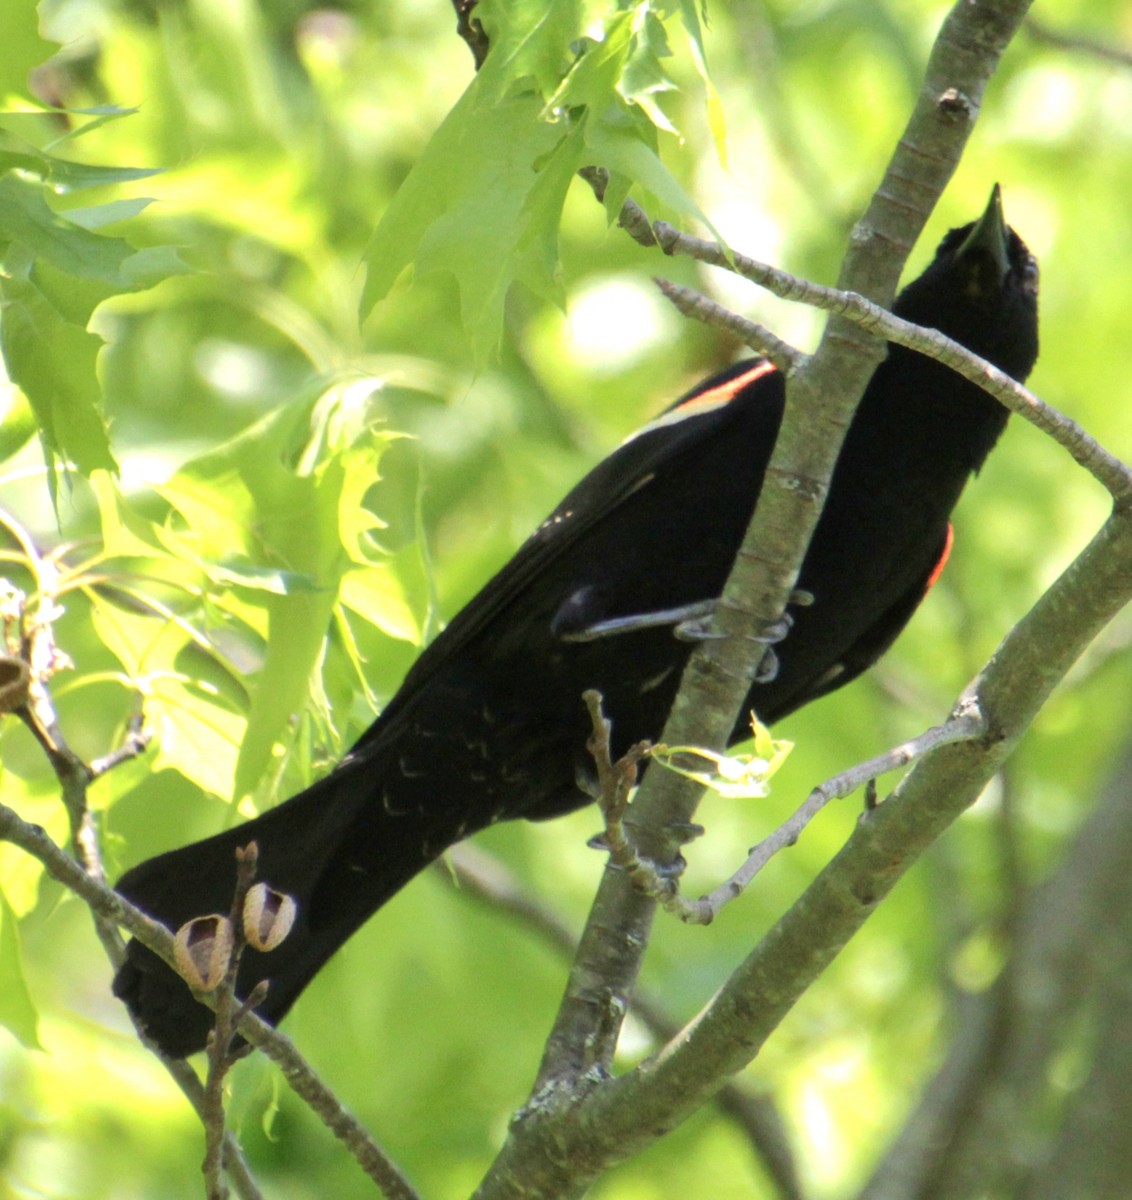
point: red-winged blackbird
(489, 724)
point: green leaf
(734, 776)
(379, 596)
(195, 736)
(484, 201)
(100, 114)
(74, 176)
(595, 79)
(278, 508)
(475, 205)
(643, 77)
(262, 579)
(617, 144)
(108, 214)
(716, 121)
(195, 731)
(26, 218)
(55, 274)
(528, 40)
(54, 362)
(124, 533)
(17, 1010)
(17, 421)
(64, 175)
(23, 47)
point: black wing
(751, 391)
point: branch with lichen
(29, 660)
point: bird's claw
(776, 631)
(698, 629)
(767, 670)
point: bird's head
(982, 290)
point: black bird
(489, 724)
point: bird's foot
(613, 626)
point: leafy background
(249, 351)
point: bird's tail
(333, 848)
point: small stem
(1106, 468)
(480, 875)
(220, 1055)
(298, 1073)
(760, 339)
(964, 727)
(134, 744)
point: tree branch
(558, 1151)
(966, 725)
(821, 399)
(1106, 468)
(987, 1111)
(279, 1048)
(753, 335)
(471, 31)
(483, 877)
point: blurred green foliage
(236, 337)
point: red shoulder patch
(941, 562)
(723, 392)
(706, 401)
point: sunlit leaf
(23, 47)
(716, 119)
(616, 145)
(735, 776)
(484, 201)
(643, 77)
(22, 875)
(54, 362)
(286, 496)
(194, 732)
(17, 421)
(468, 205)
(17, 1010)
(378, 596)
(26, 218)
(124, 532)
(530, 38)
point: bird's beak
(989, 235)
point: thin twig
(134, 744)
(1085, 450)
(235, 1164)
(299, 1075)
(695, 304)
(471, 31)
(38, 714)
(181, 1073)
(221, 1058)
(616, 781)
(617, 778)
(963, 727)
(1106, 468)
(484, 877)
